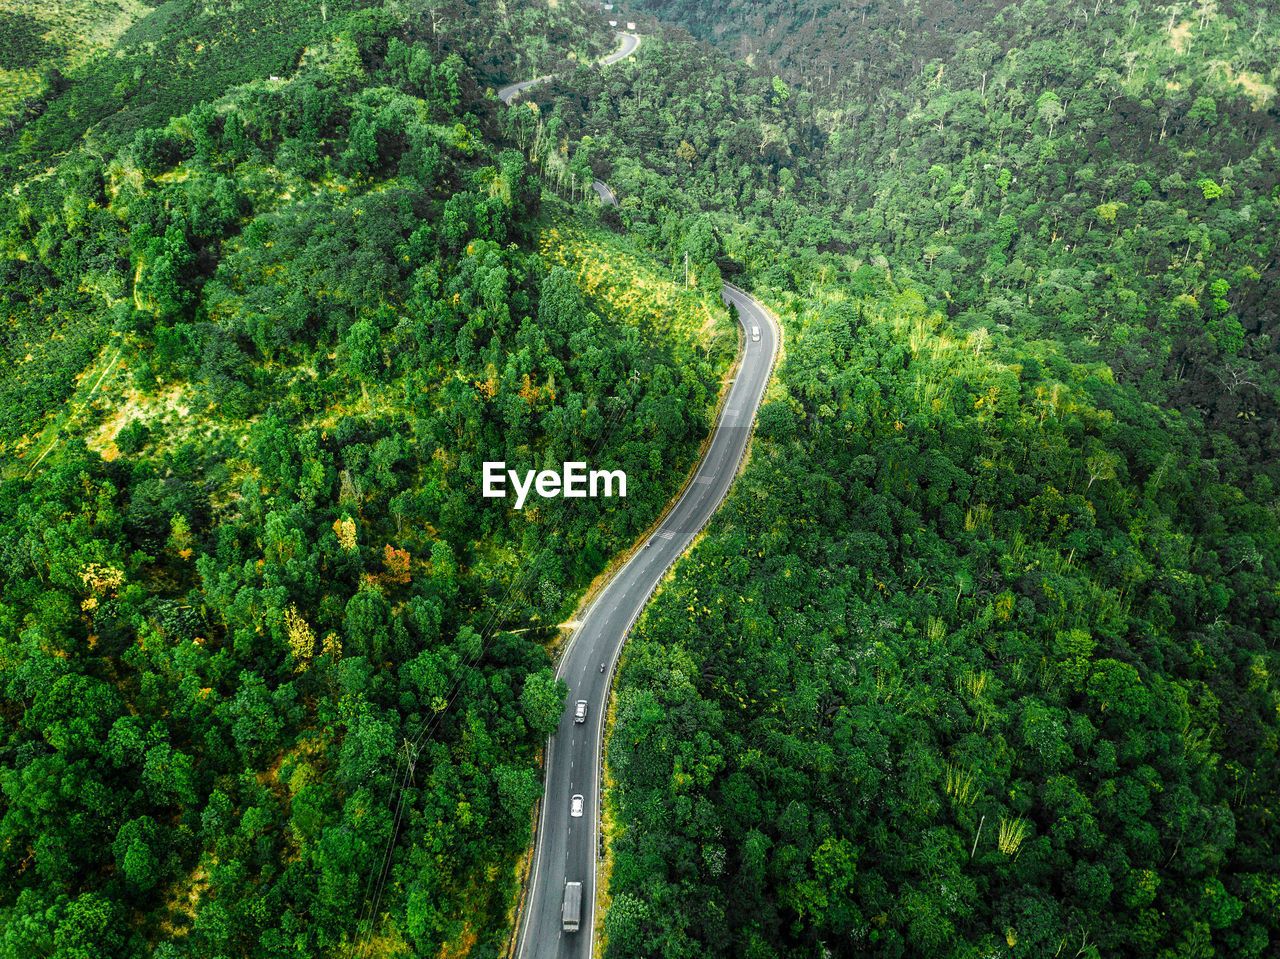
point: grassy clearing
(62, 34)
(637, 291)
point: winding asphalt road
(629, 43)
(567, 847)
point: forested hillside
(1105, 179)
(162, 68)
(40, 44)
(872, 51)
(275, 676)
(186, 51)
(978, 659)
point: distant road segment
(628, 44)
(606, 194)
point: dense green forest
(196, 54)
(186, 52)
(977, 660)
(275, 676)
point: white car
(755, 334)
(575, 807)
(580, 712)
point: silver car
(575, 807)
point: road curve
(605, 192)
(629, 43)
(566, 848)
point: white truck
(571, 913)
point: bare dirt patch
(1180, 37)
(169, 406)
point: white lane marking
(706, 479)
(666, 534)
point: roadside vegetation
(275, 676)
